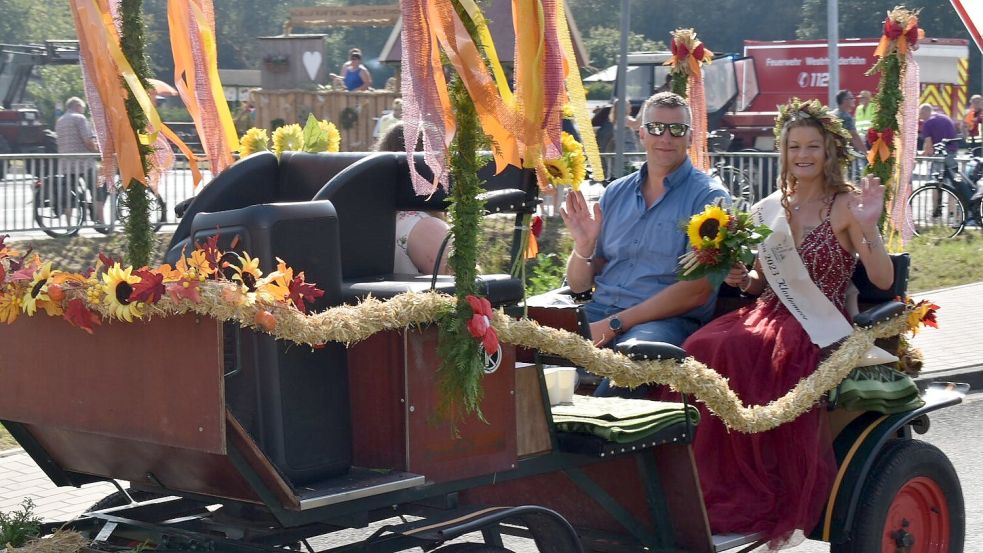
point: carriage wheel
(911, 503)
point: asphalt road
(955, 430)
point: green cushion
(879, 388)
(620, 420)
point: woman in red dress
(777, 481)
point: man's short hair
(842, 95)
(75, 102)
(666, 100)
(975, 97)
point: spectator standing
(390, 119)
(974, 115)
(76, 136)
(864, 114)
(936, 127)
(354, 75)
(845, 103)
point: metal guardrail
(21, 176)
(20, 172)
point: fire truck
(780, 70)
(743, 91)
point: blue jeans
(673, 331)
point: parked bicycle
(952, 200)
(736, 180)
(61, 208)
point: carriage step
(356, 484)
(727, 542)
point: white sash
(790, 280)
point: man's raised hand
(584, 226)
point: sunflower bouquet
(719, 237)
(570, 168)
(314, 136)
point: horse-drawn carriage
(231, 439)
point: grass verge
(6, 440)
(944, 262)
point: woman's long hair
(834, 172)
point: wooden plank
(143, 463)
(531, 426)
(681, 485)
(477, 447)
(243, 443)
(119, 382)
(377, 392)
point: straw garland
(62, 541)
(353, 323)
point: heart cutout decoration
(312, 62)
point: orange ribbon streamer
(881, 143)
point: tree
(603, 45)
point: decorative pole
(141, 239)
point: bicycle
(61, 208)
(736, 180)
(951, 200)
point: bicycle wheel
(737, 182)
(936, 211)
(158, 210)
(57, 208)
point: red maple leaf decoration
(106, 260)
(149, 289)
(210, 248)
(3, 273)
(184, 289)
(536, 227)
(301, 292)
(81, 316)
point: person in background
(419, 234)
(76, 136)
(354, 75)
(936, 127)
(864, 114)
(246, 117)
(627, 246)
(974, 115)
(388, 120)
(845, 102)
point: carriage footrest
(356, 484)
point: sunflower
(9, 307)
(559, 171)
(707, 229)
(289, 138)
(334, 137)
(569, 143)
(247, 272)
(578, 167)
(117, 287)
(37, 291)
(255, 140)
(567, 111)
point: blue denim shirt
(642, 246)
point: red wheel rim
(919, 517)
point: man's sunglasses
(659, 129)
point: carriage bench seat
(499, 289)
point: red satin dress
(775, 481)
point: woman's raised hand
(737, 276)
(867, 203)
(584, 226)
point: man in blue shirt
(629, 245)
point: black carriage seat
(261, 179)
(367, 196)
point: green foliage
(603, 45)
(599, 91)
(888, 102)
(546, 273)
(678, 83)
(173, 113)
(57, 83)
(460, 371)
(138, 229)
(19, 526)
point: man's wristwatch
(615, 324)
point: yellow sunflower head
(707, 229)
(559, 171)
(567, 111)
(10, 306)
(247, 272)
(569, 143)
(578, 169)
(117, 285)
(333, 136)
(37, 291)
(288, 138)
(255, 140)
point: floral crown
(797, 109)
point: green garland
(679, 83)
(460, 371)
(888, 100)
(140, 235)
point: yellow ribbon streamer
(577, 97)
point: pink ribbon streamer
(906, 156)
(553, 79)
(698, 109)
(422, 109)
